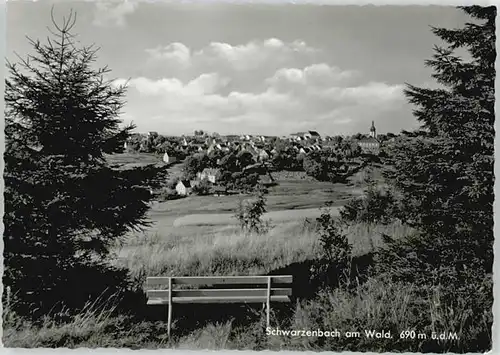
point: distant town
(223, 164)
(262, 147)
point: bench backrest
(219, 289)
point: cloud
(316, 75)
(202, 85)
(175, 52)
(107, 14)
(253, 55)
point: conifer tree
(445, 170)
(65, 206)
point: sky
(252, 68)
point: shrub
(169, 194)
(335, 256)
(250, 214)
(203, 188)
(173, 182)
(378, 206)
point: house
(168, 159)
(263, 155)
(370, 145)
(314, 134)
(209, 174)
(299, 136)
(183, 187)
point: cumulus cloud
(175, 52)
(107, 14)
(243, 57)
(316, 75)
(254, 54)
(202, 85)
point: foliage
(377, 206)
(234, 174)
(445, 170)
(195, 164)
(327, 165)
(169, 194)
(172, 183)
(286, 158)
(335, 251)
(249, 215)
(202, 188)
(64, 206)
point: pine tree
(65, 206)
(445, 170)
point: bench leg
(268, 303)
(169, 320)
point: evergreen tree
(445, 170)
(65, 206)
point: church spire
(373, 131)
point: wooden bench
(219, 289)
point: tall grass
(230, 252)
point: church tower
(373, 131)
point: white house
(166, 158)
(183, 187)
(209, 174)
(263, 155)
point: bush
(250, 214)
(332, 264)
(203, 188)
(169, 194)
(173, 182)
(378, 206)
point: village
(264, 154)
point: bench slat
(219, 293)
(244, 299)
(220, 280)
